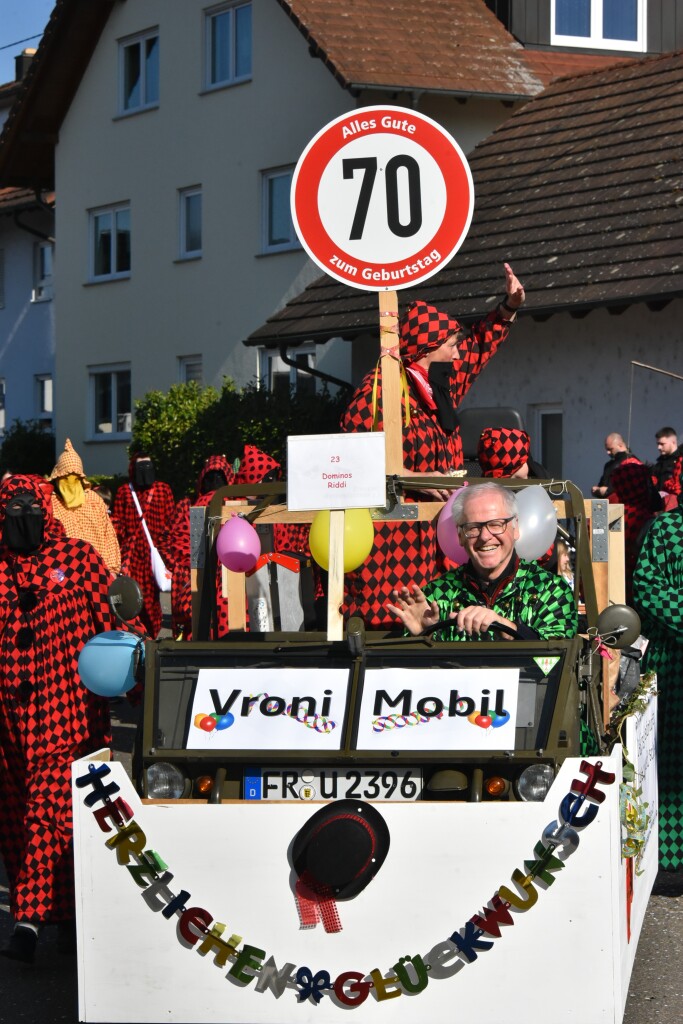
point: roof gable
(416, 45)
(29, 136)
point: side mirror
(125, 598)
(618, 626)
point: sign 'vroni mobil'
(395, 709)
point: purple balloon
(238, 546)
(447, 532)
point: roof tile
(417, 44)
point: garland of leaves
(633, 810)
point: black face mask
(439, 376)
(24, 528)
(213, 480)
(143, 475)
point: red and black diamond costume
(175, 551)
(47, 716)
(406, 553)
(658, 597)
(502, 451)
(157, 506)
(631, 485)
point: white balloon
(537, 522)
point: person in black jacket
(618, 451)
(666, 472)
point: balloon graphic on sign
(237, 545)
(537, 521)
(447, 532)
(359, 536)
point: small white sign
(328, 471)
(456, 709)
(268, 709)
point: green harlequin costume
(532, 597)
(658, 597)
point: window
(278, 232)
(139, 72)
(190, 368)
(546, 437)
(190, 223)
(44, 395)
(110, 403)
(110, 243)
(604, 24)
(278, 377)
(228, 45)
(42, 271)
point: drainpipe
(327, 377)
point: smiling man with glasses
(494, 586)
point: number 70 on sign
(382, 198)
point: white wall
(584, 366)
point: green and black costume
(540, 603)
(658, 597)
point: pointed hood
(68, 462)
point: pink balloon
(447, 532)
(238, 546)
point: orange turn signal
(495, 786)
(203, 784)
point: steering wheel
(500, 627)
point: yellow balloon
(359, 536)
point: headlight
(164, 781)
(535, 781)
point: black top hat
(341, 848)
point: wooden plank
(617, 557)
(335, 593)
(233, 586)
(392, 413)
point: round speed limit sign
(382, 198)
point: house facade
(186, 186)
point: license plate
(332, 783)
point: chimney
(22, 63)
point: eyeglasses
(496, 527)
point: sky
(20, 19)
